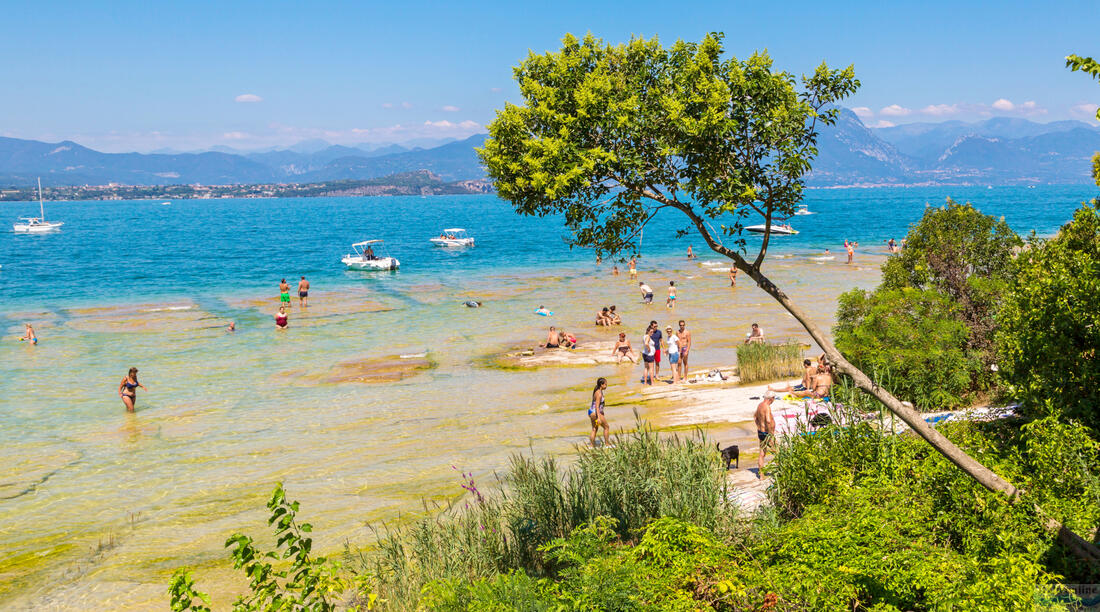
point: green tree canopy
(1050, 324)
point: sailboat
(37, 225)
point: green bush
(915, 337)
(763, 361)
(1049, 341)
(641, 478)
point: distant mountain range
(999, 151)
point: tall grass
(640, 478)
(763, 361)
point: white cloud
(470, 125)
(235, 136)
(863, 112)
(895, 110)
(940, 110)
(1087, 109)
(494, 89)
(451, 109)
(248, 98)
(440, 124)
(1004, 105)
(1031, 108)
(387, 105)
(882, 123)
(406, 105)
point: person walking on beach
(690, 254)
(848, 246)
(733, 276)
(303, 292)
(623, 349)
(673, 354)
(127, 389)
(647, 356)
(596, 415)
(29, 335)
(633, 269)
(670, 303)
(282, 319)
(615, 270)
(765, 430)
(647, 293)
(284, 293)
(685, 348)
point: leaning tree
(609, 136)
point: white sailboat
(37, 225)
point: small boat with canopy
(366, 257)
(453, 237)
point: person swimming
(471, 304)
(232, 326)
(127, 389)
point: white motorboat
(803, 209)
(365, 257)
(453, 237)
(779, 229)
(37, 225)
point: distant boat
(803, 209)
(365, 258)
(777, 228)
(37, 225)
(453, 237)
(165, 203)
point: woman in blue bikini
(595, 413)
(127, 389)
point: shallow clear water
(97, 507)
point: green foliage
(763, 361)
(915, 338)
(1050, 324)
(608, 135)
(930, 325)
(308, 583)
(641, 478)
(1086, 65)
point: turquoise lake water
(227, 415)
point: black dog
(730, 454)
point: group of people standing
(676, 345)
(282, 318)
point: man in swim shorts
(303, 292)
(552, 338)
(765, 430)
(685, 347)
(656, 335)
(647, 293)
(633, 269)
(284, 293)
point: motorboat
(803, 209)
(779, 229)
(39, 224)
(364, 257)
(453, 237)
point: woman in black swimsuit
(127, 389)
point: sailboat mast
(41, 207)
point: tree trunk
(986, 477)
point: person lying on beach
(614, 316)
(552, 338)
(820, 385)
(623, 349)
(603, 317)
(756, 335)
(647, 293)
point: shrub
(1049, 341)
(763, 361)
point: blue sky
(146, 75)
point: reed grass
(642, 477)
(762, 361)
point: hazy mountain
(929, 141)
(451, 162)
(849, 153)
